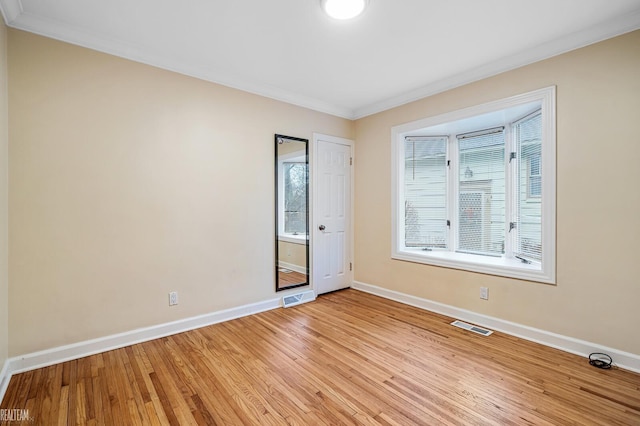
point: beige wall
(598, 200)
(128, 182)
(292, 253)
(4, 241)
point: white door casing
(332, 213)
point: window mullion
(511, 166)
(452, 192)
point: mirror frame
(277, 141)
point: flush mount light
(343, 9)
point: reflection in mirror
(292, 224)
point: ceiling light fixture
(343, 9)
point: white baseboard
(295, 268)
(53, 356)
(621, 359)
(60, 354)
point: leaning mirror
(292, 218)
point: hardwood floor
(290, 278)
(347, 358)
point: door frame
(313, 162)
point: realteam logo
(14, 415)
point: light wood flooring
(290, 279)
(347, 358)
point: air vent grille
(470, 327)
(298, 298)
(288, 300)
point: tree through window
(295, 198)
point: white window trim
(293, 157)
(544, 272)
(293, 239)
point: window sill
(293, 239)
(501, 266)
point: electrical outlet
(173, 298)
(484, 293)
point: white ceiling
(396, 52)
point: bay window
(475, 189)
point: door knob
(321, 227)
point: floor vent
(472, 327)
(298, 298)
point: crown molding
(597, 33)
(15, 17)
(81, 37)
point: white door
(332, 214)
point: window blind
(528, 209)
(425, 192)
(481, 192)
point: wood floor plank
(349, 358)
(164, 400)
(73, 394)
(170, 390)
(112, 371)
(267, 386)
(220, 406)
(63, 407)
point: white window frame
(543, 271)
(285, 236)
